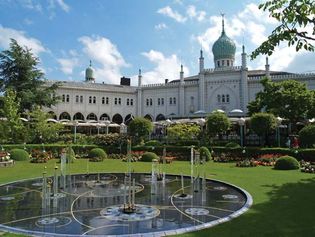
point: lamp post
(241, 122)
(75, 131)
(279, 120)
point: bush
(232, 145)
(204, 153)
(153, 143)
(19, 154)
(287, 163)
(307, 136)
(149, 157)
(97, 154)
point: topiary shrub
(287, 163)
(19, 154)
(153, 143)
(232, 145)
(149, 157)
(307, 136)
(204, 153)
(97, 154)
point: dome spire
(223, 31)
(90, 63)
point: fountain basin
(96, 210)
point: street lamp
(75, 131)
(241, 122)
(279, 120)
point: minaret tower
(201, 62)
(181, 101)
(89, 74)
(267, 68)
(244, 82)
(139, 95)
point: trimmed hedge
(153, 143)
(180, 152)
(19, 154)
(55, 149)
(97, 154)
(204, 153)
(287, 163)
(149, 157)
(232, 145)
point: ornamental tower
(223, 50)
(89, 74)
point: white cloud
(160, 26)
(27, 21)
(168, 11)
(102, 51)
(68, 64)
(63, 5)
(30, 4)
(7, 33)
(165, 67)
(194, 14)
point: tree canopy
(217, 122)
(296, 25)
(140, 127)
(288, 99)
(183, 131)
(19, 72)
(263, 123)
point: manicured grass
(284, 201)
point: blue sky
(122, 36)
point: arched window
(107, 100)
(90, 99)
(63, 98)
(81, 99)
(159, 101)
(94, 99)
(151, 102)
(68, 98)
(218, 63)
(223, 98)
(91, 116)
(171, 100)
(162, 101)
(131, 102)
(77, 99)
(147, 102)
(119, 101)
(127, 103)
(174, 100)
(227, 98)
(116, 101)
(228, 62)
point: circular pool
(95, 205)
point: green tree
(294, 17)
(183, 131)
(140, 128)
(217, 123)
(262, 124)
(41, 130)
(12, 128)
(19, 72)
(288, 99)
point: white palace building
(226, 87)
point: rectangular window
(159, 101)
(81, 99)
(227, 98)
(171, 100)
(63, 98)
(127, 102)
(107, 100)
(147, 102)
(131, 102)
(116, 101)
(151, 102)
(119, 101)
(90, 99)
(77, 99)
(68, 98)
(223, 98)
(94, 99)
(162, 101)
(174, 101)
(103, 100)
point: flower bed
(39, 156)
(5, 159)
(307, 167)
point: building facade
(226, 87)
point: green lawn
(284, 201)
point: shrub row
(255, 152)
